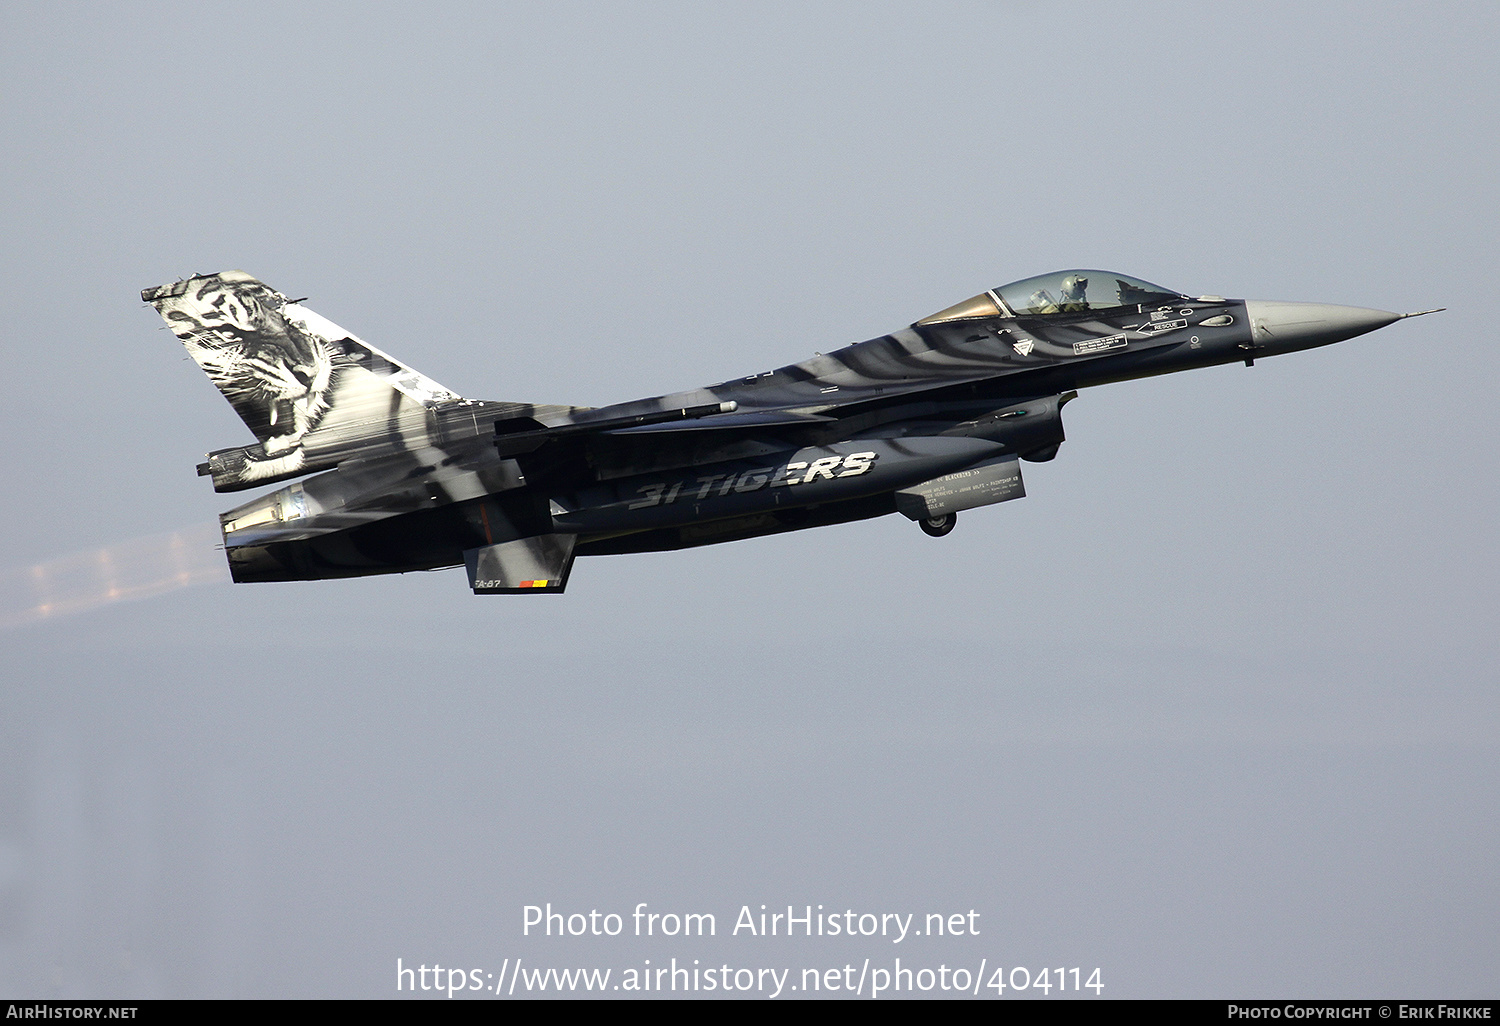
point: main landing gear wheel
(939, 526)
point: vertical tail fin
(311, 392)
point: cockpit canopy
(1060, 292)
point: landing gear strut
(939, 526)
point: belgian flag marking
(536, 584)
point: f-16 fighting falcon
(399, 473)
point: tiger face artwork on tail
(276, 375)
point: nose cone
(1287, 327)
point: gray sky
(1213, 709)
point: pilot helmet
(1073, 288)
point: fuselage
(926, 420)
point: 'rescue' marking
(1159, 326)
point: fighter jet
(399, 473)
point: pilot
(1073, 288)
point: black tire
(936, 527)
